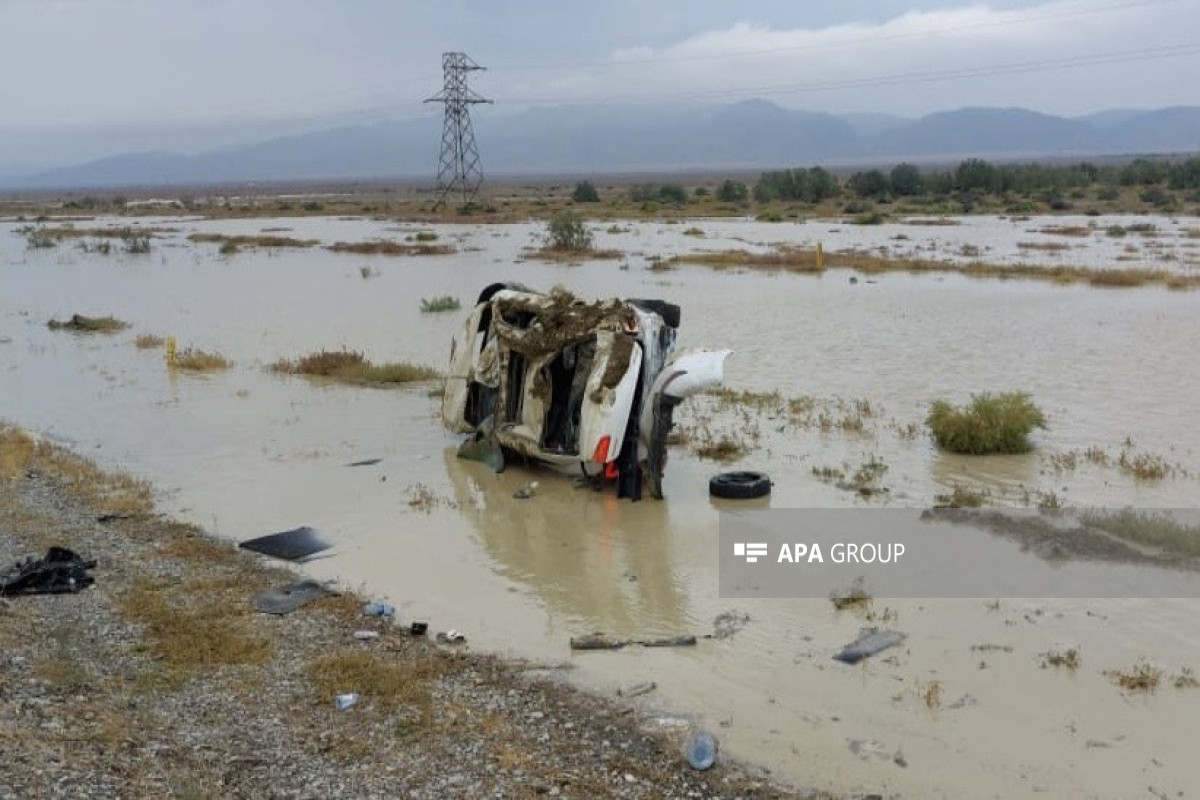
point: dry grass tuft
(1141, 677)
(250, 241)
(1144, 466)
(17, 449)
(554, 253)
(961, 497)
(931, 694)
(107, 492)
(376, 676)
(197, 625)
(81, 324)
(200, 361)
(856, 597)
(148, 341)
(794, 259)
(388, 248)
(723, 449)
(1068, 659)
(350, 366)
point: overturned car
(588, 388)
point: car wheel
(739, 485)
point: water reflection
(589, 556)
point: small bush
(82, 324)
(148, 341)
(426, 236)
(585, 192)
(40, 239)
(138, 245)
(567, 231)
(990, 424)
(733, 192)
(349, 366)
(200, 361)
(433, 305)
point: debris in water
(366, 462)
(294, 545)
(687, 640)
(638, 689)
(728, 623)
(527, 491)
(601, 641)
(869, 642)
(596, 641)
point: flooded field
(966, 708)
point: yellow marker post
(171, 352)
(820, 257)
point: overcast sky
(209, 65)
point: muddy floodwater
(964, 708)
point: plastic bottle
(379, 610)
(701, 750)
(344, 701)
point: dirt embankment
(160, 680)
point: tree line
(974, 176)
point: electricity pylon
(458, 167)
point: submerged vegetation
(350, 366)
(226, 241)
(434, 305)
(383, 247)
(81, 324)
(807, 260)
(1159, 530)
(193, 360)
(989, 424)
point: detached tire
(739, 485)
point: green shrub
(990, 424)
(733, 192)
(568, 232)
(585, 192)
(436, 305)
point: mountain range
(581, 140)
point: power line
(610, 63)
(1146, 54)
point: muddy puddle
(964, 708)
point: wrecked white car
(588, 388)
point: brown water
(245, 452)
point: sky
(191, 74)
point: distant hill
(586, 139)
(987, 132)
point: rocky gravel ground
(160, 680)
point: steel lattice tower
(458, 167)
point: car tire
(739, 485)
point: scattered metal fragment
(366, 462)
(287, 598)
(869, 642)
(294, 545)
